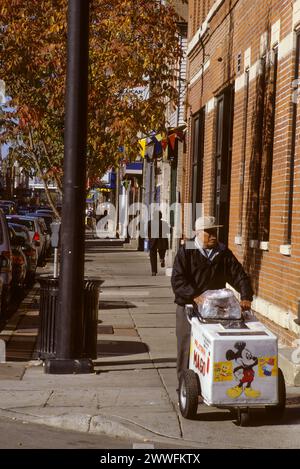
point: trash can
(48, 308)
(49, 288)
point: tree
(133, 49)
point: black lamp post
(69, 324)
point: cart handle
(189, 311)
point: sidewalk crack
(171, 402)
(49, 397)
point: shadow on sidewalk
(258, 417)
(113, 287)
(112, 348)
(138, 362)
(21, 345)
(103, 250)
(115, 304)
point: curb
(97, 425)
(290, 369)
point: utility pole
(69, 324)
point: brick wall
(250, 30)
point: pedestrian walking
(207, 265)
(158, 242)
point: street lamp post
(69, 323)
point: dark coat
(157, 235)
(193, 274)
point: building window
(239, 63)
(268, 145)
(225, 110)
(198, 125)
(243, 158)
(255, 163)
(288, 239)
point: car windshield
(21, 230)
(28, 223)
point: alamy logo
(2, 92)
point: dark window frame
(265, 198)
(198, 135)
(288, 239)
(223, 159)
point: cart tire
(277, 411)
(188, 394)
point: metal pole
(55, 274)
(69, 326)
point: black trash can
(49, 287)
(48, 312)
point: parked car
(22, 210)
(19, 262)
(26, 209)
(47, 235)
(46, 221)
(5, 263)
(37, 235)
(29, 250)
(47, 217)
(45, 212)
(8, 206)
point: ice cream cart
(233, 360)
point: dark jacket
(193, 274)
(157, 235)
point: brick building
(243, 152)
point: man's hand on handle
(198, 300)
(245, 305)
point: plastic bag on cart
(219, 304)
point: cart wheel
(243, 417)
(277, 411)
(188, 394)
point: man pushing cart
(222, 351)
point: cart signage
(201, 354)
(249, 369)
(223, 371)
(267, 366)
(234, 369)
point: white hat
(206, 223)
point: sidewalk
(132, 393)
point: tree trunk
(40, 172)
(57, 180)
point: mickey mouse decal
(243, 372)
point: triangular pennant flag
(164, 144)
(142, 144)
(180, 135)
(172, 139)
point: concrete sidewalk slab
(159, 320)
(132, 393)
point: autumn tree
(133, 49)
